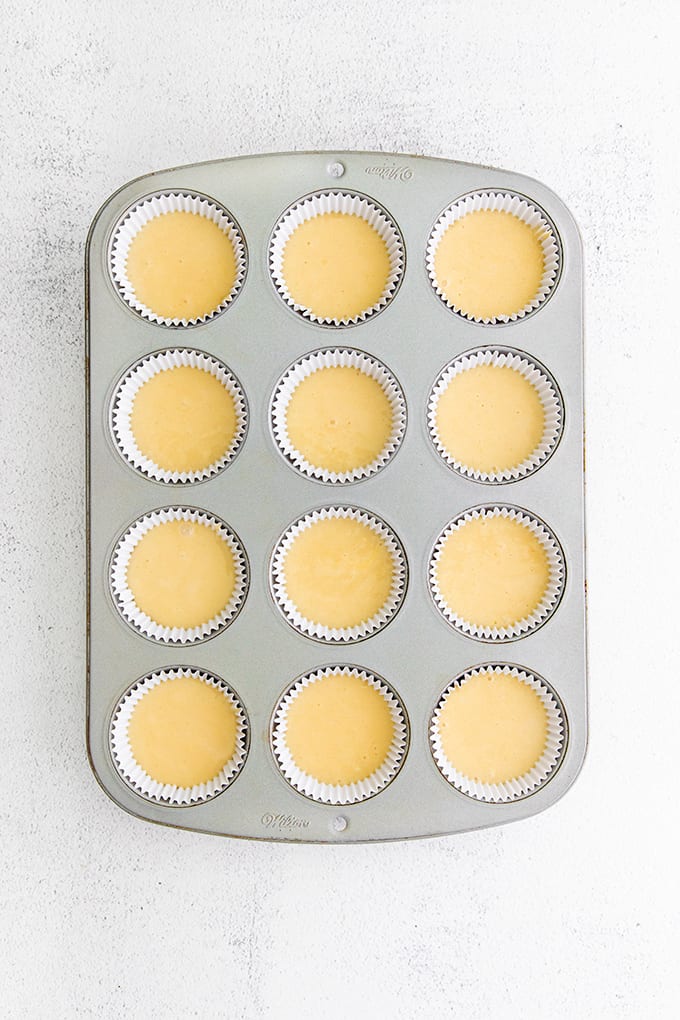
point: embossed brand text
(391, 173)
(273, 821)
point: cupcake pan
(419, 654)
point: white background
(569, 914)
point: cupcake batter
(336, 265)
(183, 732)
(338, 572)
(490, 263)
(490, 418)
(339, 419)
(181, 574)
(339, 729)
(183, 419)
(181, 265)
(492, 572)
(493, 728)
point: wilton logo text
(273, 821)
(390, 173)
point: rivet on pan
(335, 169)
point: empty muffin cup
(177, 258)
(495, 415)
(336, 258)
(179, 575)
(338, 415)
(338, 574)
(493, 257)
(179, 736)
(339, 734)
(179, 416)
(498, 733)
(496, 573)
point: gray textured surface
(571, 913)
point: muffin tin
(258, 493)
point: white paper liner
(327, 793)
(517, 205)
(547, 393)
(522, 786)
(135, 776)
(337, 202)
(551, 597)
(318, 631)
(124, 599)
(139, 374)
(147, 209)
(336, 357)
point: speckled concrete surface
(570, 914)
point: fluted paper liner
(529, 782)
(337, 202)
(124, 599)
(146, 209)
(339, 635)
(327, 793)
(144, 370)
(523, 209)
(547, 392)
(551, 596)
(135, 776)
(337, 357)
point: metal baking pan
(258, 337)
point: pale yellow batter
(493, 728)
(492, 572)
(183, 732)
(336, 265)
(490, 263)
(181, 574)
(338, 572)
(339, 729)
(339, 419)
(183, 419)
(181, 265)
(490, 418)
